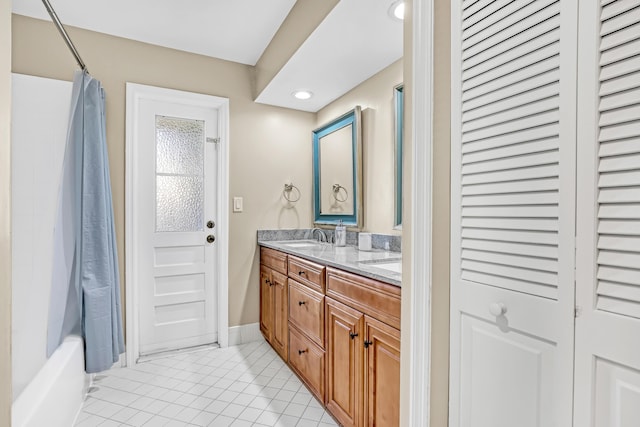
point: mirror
(337, 171)
(398, 100)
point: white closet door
(513, 212)
(608, 254)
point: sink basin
(301, 244)
(395, 266)
(390, 264)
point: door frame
(135, 94)
(418, 301)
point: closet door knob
(210, 238)
(497, 308)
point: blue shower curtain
(85, 294)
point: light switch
(237, 204)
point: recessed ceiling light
(302, 94)
(397, 10)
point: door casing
(136, 93)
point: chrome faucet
(322, 236)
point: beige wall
(5, 213)
(441, 215)
(375, 96)
(269, 145)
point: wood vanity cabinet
(307, 323)
(340, 332)
(345, 372)
(274, 300)
(382, 381)
(363, 351)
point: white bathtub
(55, 396)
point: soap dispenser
(341, 234)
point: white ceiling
(235, 30)
(356, 40)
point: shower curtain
(85, 294)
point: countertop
(348, 258)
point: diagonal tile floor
(246, 385)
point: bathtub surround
(86, 285)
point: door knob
(497, 308)
(210, 238)
(211, 224)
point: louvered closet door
(608, 255)
(513, 212)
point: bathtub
(55, 396)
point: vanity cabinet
(341, 332)
(382, 379)
(307, 323)
(274, 300)
(345, 363)
(363, 348)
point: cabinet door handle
(302, 351)
(302, 273)
(367, 343)
(353, 335)
(302, 302)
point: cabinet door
(266, 303)
(513, 146)
(344, 363)
(382, 382)
(280, 332)
(608, 232)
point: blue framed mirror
(337, 171)
(398, 100)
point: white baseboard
(244, 333)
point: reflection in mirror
(337, 167)
(398, 99)
(336, 172)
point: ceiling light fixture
(302, 94)
(396, 10)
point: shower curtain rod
(64, 34)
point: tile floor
(246, 385)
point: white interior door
(175, 199)
(513, 213)
(608, 254)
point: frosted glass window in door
(179, 174)
(179, 146)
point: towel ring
(336, 192)
(286, 193)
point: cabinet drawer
(307, 272)
(307, 359)
(274, 259)
(377, 299)
(306, 311)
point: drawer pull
(367, 343)
(497, 309)
(302, 273)
(302, 302)
(353, 335)
(302, 351)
